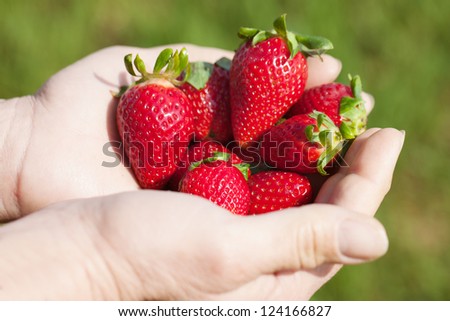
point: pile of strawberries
(243, 133)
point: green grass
(400, 48)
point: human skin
(104, 239)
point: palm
(74, 122)
(73, 119)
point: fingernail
(362, 240)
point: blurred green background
(400, 48)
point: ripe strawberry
(197, 152)
(343, 104)
(268, 74)
(303, 143)
(219, 181)
(154, 119)
(208, 89)
(275, 190)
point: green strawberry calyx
(200, 72)
(307, 44)
(222, 156)
(353, 111)
(169, 65)
(327, 135)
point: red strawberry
(303, 143)
(219, 181)
(343, 104)
(268, 74)
(325, 98)
(155, 120)
(275, 190)
(208, 89)
(197, 152)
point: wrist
(15, 130)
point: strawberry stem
(247, 33)
(313, 45)
(356, 85)
(218, 156)
(280, 25)
(163, 59)
(328, 136)
(243, 168)
(281, 29)
(225, 157)
(140, 66)
(224, 63)
(168, 65)
(308, 45)
(199, 74)
(200, 71)
(128, 60)
(353, 111)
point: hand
(162, 245)
(73, 120)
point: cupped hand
(74, 149)
(164, 245)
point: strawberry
(303, 143)
(154, 119)
(275, 190)
(217, 180)
(197, 152)
(343, 104)
(207, 87)
(268, 74)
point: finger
(149, 55)
(107, 65)
(363, 184)
(209, 54)
(369, 102)
(317, 180)
(325, 184)
(359, 142)
(376, 158)
(305, 238)
(195, 53)
(322, 70)
(268, 287)
(286, 286)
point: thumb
(306, 238)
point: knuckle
(315, 245)
(307, 242)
